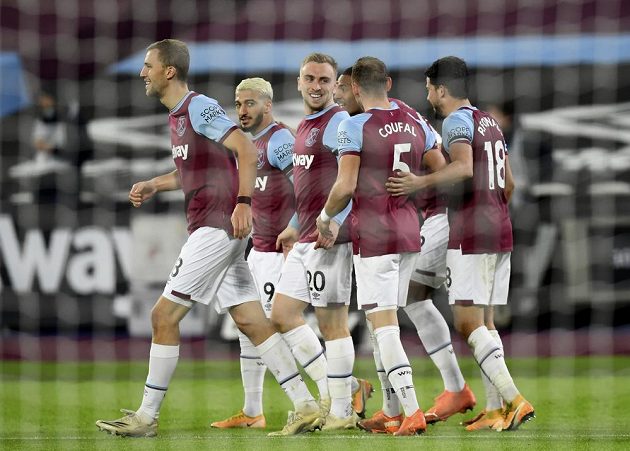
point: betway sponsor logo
(303, 160)
(180, 151)
(86, 258)
(261, 183)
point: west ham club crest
(261, 158)
(312, 137)
(181, 126)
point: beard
(439, 115)
(254, 125)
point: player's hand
(242, 221)
(286, 239)
(327, 233)
(403, 184)
(141, 191)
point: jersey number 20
(496, 163)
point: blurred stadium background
(80, 269)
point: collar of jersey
(319, 113)
(181, 102)
(265, 130)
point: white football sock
(276, 355)
(253, 375)
(162, 363)
(340, 358)
(391, 405)
(354, 384)
(493, 397)
(308, 351)
(397, 367)
(489, 356)
(436, 339)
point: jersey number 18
(496, 163)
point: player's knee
(279, 321)
(333, 331)
(464, 326)
(161, 320)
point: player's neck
(370, 102)
(455, 104)
(266, 122)
(174, 94)
(308, 110)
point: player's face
(154, 74)
(251, 109)
(317, 85)
(434, 96)
(345, 97)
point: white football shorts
(478, 279)
(430, 269)
(318, 277)
(211, 264)
(265, 268)
(383, 280)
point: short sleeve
(457, 127)
(350, 134)
(330, 133)
(209, 119)
(280, 149)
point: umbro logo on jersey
(303, 160)
(312, 137)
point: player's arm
(145, 190)
(247, 157)
(459, 169)
(405, 183)
(509, 179)
(338, 200)
(210, 120)
(280, 156)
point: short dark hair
(172, 52)
(451, 72)
(320, 58)
(348, 71)
(370, 74)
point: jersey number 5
(496, 163)
(399, 149)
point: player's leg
(473, 277)
(382, 284)
(275, 353)
(329, 273)
(516, 410)
(430, 273)
(163, 357)
(292, 296)
(205, 257)
(389, 418)
(333, 325)
(397, 368)
(265, 268)
(252, 376)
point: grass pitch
(581, 403)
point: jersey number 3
(496, 163)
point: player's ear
(388, 84)
(268, 104)
(171, 72)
